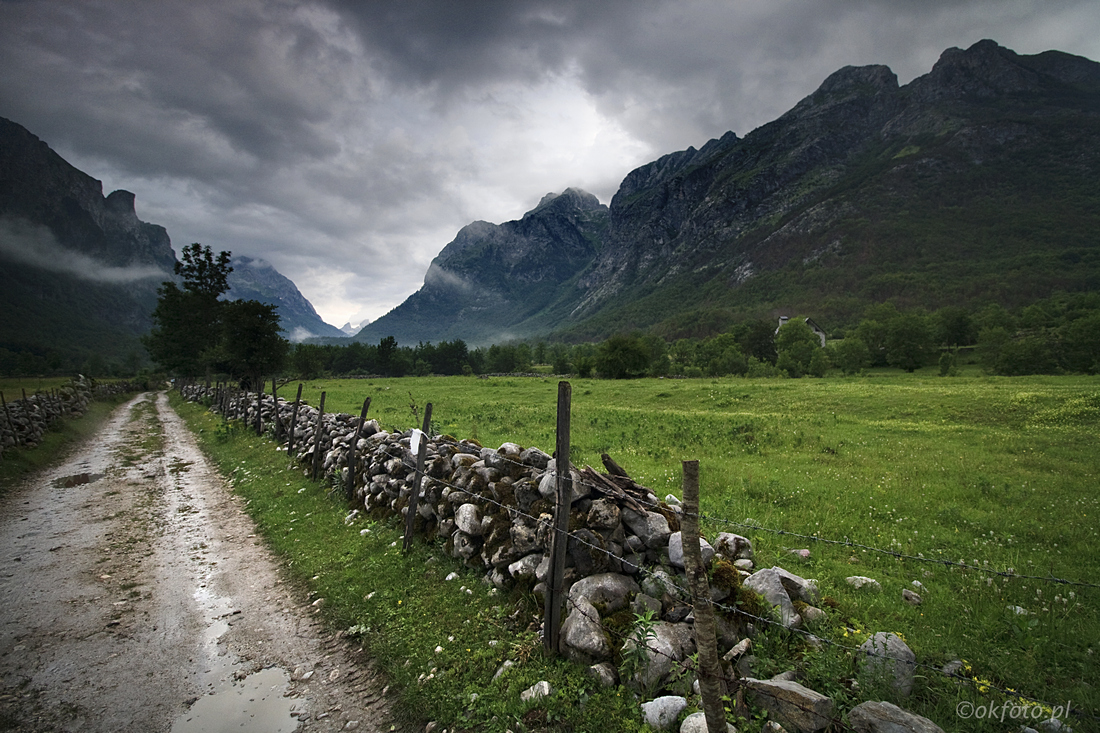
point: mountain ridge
(79, 271)
(971, 184)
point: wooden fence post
(259, 408)
(294, 421)
(414, 493)
(275, 405)
(710, 673)
(317, 438)
(559, 539)
(7, 414)
(349, 488)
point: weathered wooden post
(275, 406)
(11, 424)
(317, 438)
(414, 493)
(710, 673)
(294, 421)
(559, 539)
(259, 407)
(349, 487)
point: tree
(622, 357)
(908, 342)
(757, 338)
(202, 272)
(851, 355)
(1081, 344)
(796, 344)
(252, 346)
(953, 326)
(187, 323)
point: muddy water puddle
(78, 479)
(255, 705)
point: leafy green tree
(909, 343)
(187, 323)
(307, 361)
(851, 355)
(387, 355)
(953, 326)
(252, 346)
(796, 344)
(757, 338)
(1081, 344)
(202, 272)
(622, 357)
(991, 342)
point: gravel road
(135, 596)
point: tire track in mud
(135, 596)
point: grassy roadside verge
(440, 641)
(19, 462)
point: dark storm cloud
(347, 142)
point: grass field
(996, 473)
(13, 387)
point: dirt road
(135, 596)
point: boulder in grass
(733, 546)
(884, 717)
(610, 591)
(796, 707)
(860, 582)
(697, 723)
(768, 584)
(583, 638)
(888, 657)
(661, 714)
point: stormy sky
(347, 142)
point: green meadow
(910, 477)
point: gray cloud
(35, 245)
(347, 143)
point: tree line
(1057, 335)
(198, 334)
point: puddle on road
(253, 705)
(78, 479)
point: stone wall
(493, 507)
(24, 421)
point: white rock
(661, 713)
(537, 691)
(861, 581)
(697, 723)
(676, 550)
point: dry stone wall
(23, 422)
(493, 507)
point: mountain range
(79, 271)
(975, 183)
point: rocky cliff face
(254, 279)
(495, 282)
(39, 186)
(974, 183)
(787, 212)
(78, 271)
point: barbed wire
(656, 504)
(571, 536)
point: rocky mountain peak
(571, 199)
